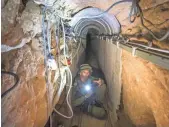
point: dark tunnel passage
(88, 45)
(90, 55)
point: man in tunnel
(89, 93)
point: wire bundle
(13, 86)
(66, 69)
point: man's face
(84, 75)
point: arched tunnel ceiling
(106, 24)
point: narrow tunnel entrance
(88, 45)
(90, 56)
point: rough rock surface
(26, 104)
(9, 14)
(145, 92)
(31, 19)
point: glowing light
(87, 88)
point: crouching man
(89, 93)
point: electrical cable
(58, 45)
(51, 120)
(133, 8)
(142, 23)
(62, 103)
(67, 51)
(95, 16)
(57, 48)
(64, 40)
(48, 37)
(70, 85)
(45, 59)
(155, 25)
(67, 98)
(77, 50)
(15, 84)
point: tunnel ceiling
(105, 24)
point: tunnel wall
(144, 85)
(26, 105)
(109, 59)
(145, 92)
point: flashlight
(87, 87)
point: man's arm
(98, 81)
(76, 101)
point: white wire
(64, 39)
(49, 36)
(50, 120)
(76, 50)
(67, 98)
(70, 86)
(66, 69)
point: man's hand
(98, 82)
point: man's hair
(86, 67)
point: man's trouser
(96, 109)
